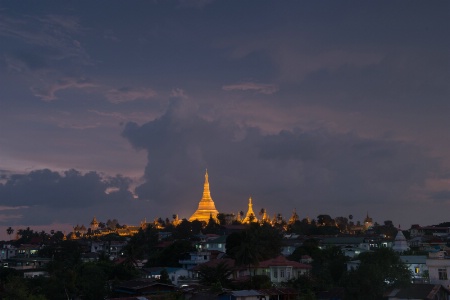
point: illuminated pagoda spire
(206, 207)
(250, 216)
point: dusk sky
(114, 109)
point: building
(217, 244)
(206, 207)
(400, 243)
(174, 273)
(368, 222)
(194, 259)
(418, 292)
(8, 251)
(438, 264)
(417, 266)
(250, 216)
(280, 269)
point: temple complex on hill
(206, 207)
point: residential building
(419, 292)
(217, 244)
(8, 251)
(280, 269)
(438, 264)
(194, 259)
(174, 273)
(417, 266)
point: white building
(400, 243)
(438, 264)
(280, 269)
(417, 266)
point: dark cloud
(289, 169)
(72, 189)
(441, 196)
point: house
(242, 295)
(337, 293)
(289, 245)
(358, 242)
(174, 273)
(8, 251)
(217, 244)
(418, 292)
(280, 269)
(417, 266)
(238, 272)
(194, 259)
(351, 251)
(115, 248)
(27, 250)
(29, 266)
(284, 293)
(416, 230)
(438, 264)
(142, 287)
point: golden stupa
(206, 207)
(250, 216)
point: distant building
(280, 269)
(206, 207)
(400, 243)
(174, 273)
(250, 216)
(368, 222)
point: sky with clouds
(115, 109)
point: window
(442, 274)
(275, 273)
(416, 270)
(281, 273)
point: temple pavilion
(206, 207)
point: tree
(222, 218)
(164, 277)
(15, 288)
(92, 282)
(249, 247)
(325, 220)
(378, 271)
(9, 231)
(210, 275)
(342, 223)
(170, 255)
(212, 227)
(141, 244)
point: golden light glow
(206, 207)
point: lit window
(442, 274)
(416, 270)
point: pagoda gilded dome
(206, 207)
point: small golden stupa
(206, 207)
